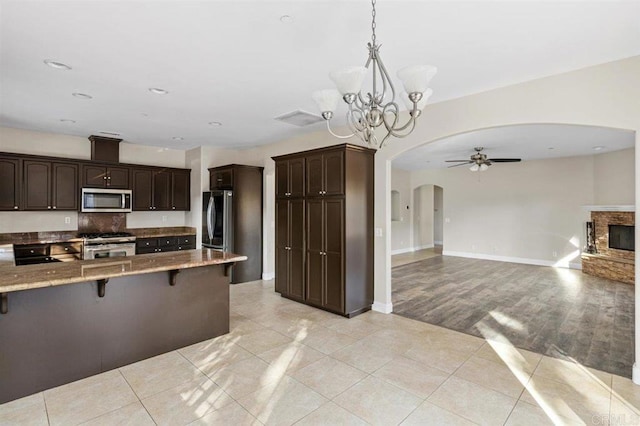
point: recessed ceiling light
(57, 65)
(215, 123)
(67, 120)
(144, 114)
(158, 91)
(551, 147)
(287, 19)
(598, 148)
(177, 138)
(82, 96)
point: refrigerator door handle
(210, 219)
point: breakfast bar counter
(65, 321)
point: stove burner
(91, 235)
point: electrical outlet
(67, 220)
(164, 218)
(378, 232)
(554, 254)
(473, 247)
(447, 220)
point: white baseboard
(385, 308)
(411, 249)
(266, 276)
(524, 260)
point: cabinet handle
(54, 207)
(104, 177)
(174, 207)
(15, 207)
(49, 207)
(109, 178)
(219, 180)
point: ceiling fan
(480, 161)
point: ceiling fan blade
(505, 160)
(461, 164)
(457, 161)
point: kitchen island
(64, 321)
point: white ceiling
(527, 142)
(235, 62)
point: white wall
(55, 145)
(615, 178)
(531, 211)
(401, 238)
(438, 215)
(422, 216)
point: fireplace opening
(622, 237)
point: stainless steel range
(108, 244)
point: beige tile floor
(285, 363)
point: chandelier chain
(373, 22)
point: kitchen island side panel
(55, 335)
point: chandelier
(367, 112)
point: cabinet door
(296, 177)
(334, 274)
(181, 191)
(314, 175)
(221, 179)
(37, 185)
(282, 246)
(10, 184)
(314, 251)
(296, 249)
(64, 186)
(142, 193)
(93, 176)
(282, 178)
(162, 190)
(333, 172)
(118, 178)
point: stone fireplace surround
(614, 264)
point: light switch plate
(378, 232)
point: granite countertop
(27, 277)
(39, 237)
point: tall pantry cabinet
(324, 228)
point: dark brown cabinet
(335, 229)
(10, 183)
(161, 189)
(221, 178)
(50, 185)
(290, 249)
(325, 174)
(290, 181)
(164, 244)
(98, 176)
(246, 210)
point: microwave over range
(106, 200)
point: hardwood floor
(561, 313)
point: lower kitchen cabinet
(333, 224)
(164, 244)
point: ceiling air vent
(299, 118)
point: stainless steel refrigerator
(217, 220)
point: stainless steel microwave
(106, 200)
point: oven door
(101, 251)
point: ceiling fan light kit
(480, 161)
(367, 112)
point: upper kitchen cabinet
(50, 185)
(10, 187)
(161, 189)
(98, 176)
(325, 174)
(290, 178)
(221, 178)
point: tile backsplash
(102, 222)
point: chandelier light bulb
(474, 168)
(483, 167)
(327, 100)
(348, 80)
(416, 78)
